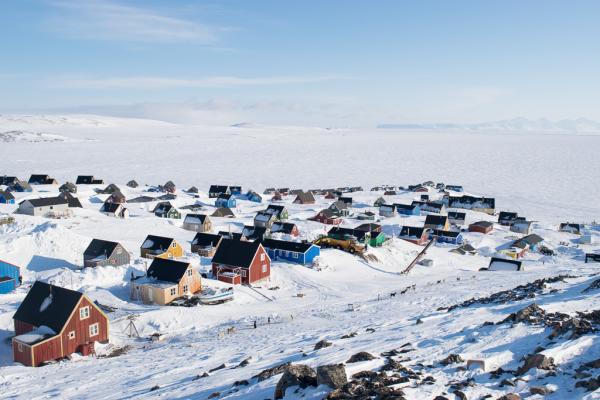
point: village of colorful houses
(230, 238)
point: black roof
(488, 201)
(457, 215)
(206, 239)
(141, 199)
(507, 215)
(436, 220)
(218, 189)
(110, 207)
(412, 231)
(73, 201)
(84, 179)
(341, 232)
(275, 209)
(8, 180)
(54, 312)
(254, 232)
(443, 233)
(201, 217)
(506, 260)
(483, 224)
(236, 253)
(297, 247)
(46, 201)
(405, 206)
(224, 196)
(157, 242)
(368, 227)
(167, 270)
(98, 247)
(285, 227)
(39, 178)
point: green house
(375, 239)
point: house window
(94, 329)
(20, 347)
(185, 288)
(173, 291)
(173, 245)
(295, 255)
(84, 312)
(262, 257)
(244, 273)
(264, 268)
(189, 272)
(72, 335)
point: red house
(328, 217)
(241, 262)
(54, 322)
(484, 227)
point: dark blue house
(408, 209)
(6, 198)
(253, 196)
(10, 277)
(235, 190)
(294, 252)
(446, 236)
(225, 200)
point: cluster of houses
(54, 322)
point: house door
(150, 295)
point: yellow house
(160, 247)
(165, 281)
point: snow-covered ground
(548, 178)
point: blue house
(225, 200)
(235, 190)
(21, 186)
(6, 198)
(408, 209)
(294, 252)
(10, 277)
(253, 196)
(446, 236)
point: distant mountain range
(515, 124)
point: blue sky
(335, 63)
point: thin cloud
(173, 83)
(105, 20)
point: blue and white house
(6, 198)
(294, 252)
(446, 236)
(10, 277)
(225, 200)
(408, 209)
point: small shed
(484, 227)
(132, 184)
